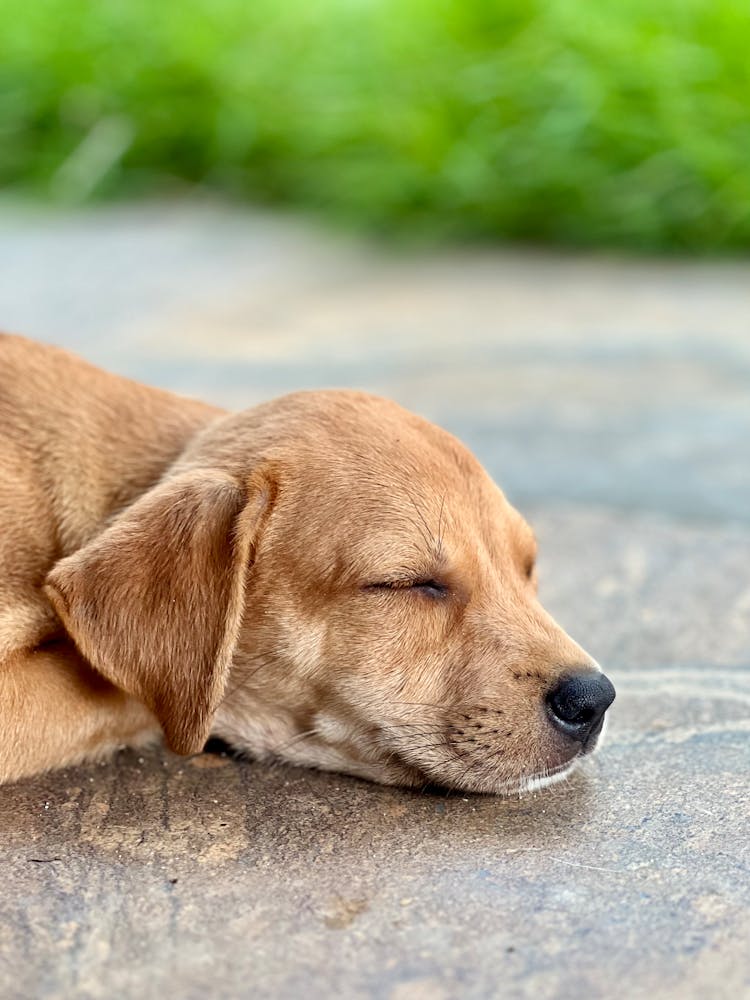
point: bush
(620, 124)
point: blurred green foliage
(615, 123)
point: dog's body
(76, 445)
(326, 577)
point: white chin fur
(535, 782)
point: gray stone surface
(612, 400)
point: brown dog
(326, 578)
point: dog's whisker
(430, 537)
(440, 527)
(416, 728)
(294, 740)
(447, 744)
(425, 704)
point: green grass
(613, 123)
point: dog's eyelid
(427, 585)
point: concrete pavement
(612, 400)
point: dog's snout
(578, 702)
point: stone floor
(612, 401)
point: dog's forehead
(352, 459)
(379, 469)
(395, 464)
(369, 435)
(328, 432)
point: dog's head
(335, 581)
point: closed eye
(428, 587)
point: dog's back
(77, 444)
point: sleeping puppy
(325, 578)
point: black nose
(578, 703)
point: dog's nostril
(578, 702)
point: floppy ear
(155, 602)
